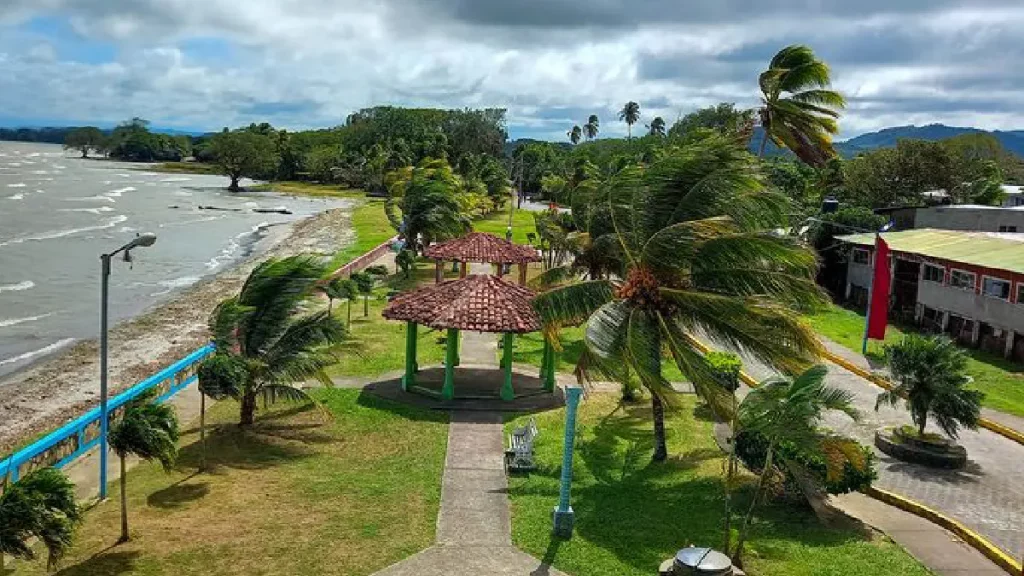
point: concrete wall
(969, 304)
(979, 219)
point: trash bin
(694, 561)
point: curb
(977, 541)
(996, 427)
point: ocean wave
(39, 172)
(62, 233)
(18, 185)
(16, 197)
(117, 193)
(193, 221)
(174, 283)
(230, 251)
(16, 321)
(175, 179)
(44, 350)
(91, 199)
(25, 285)
(124, 175)
(96, 211)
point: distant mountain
(1012, 140)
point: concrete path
(474, 526)
(987, 496)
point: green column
(450, 356)
(544, 358)
(507, 392)
(549, 371)
(458, 346)
(409, 379)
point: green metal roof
(991, 250)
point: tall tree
(724, 118)
(657, 127)
(790, 411)
(262, 332)
(85, 139)
(697, 255)
(574, 135)
(630, 114)
(244, 153)
(930, 376)
(798, 110)
(427, 198)
(592, 127)
(148, 430)
(41, 506)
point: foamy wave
(91, 199)
(62, 233)
(25, 285)
(117, 193)
(175, 283)
(16, 321)
(18, 185)
(193, 221)
(124, 175)
(175, 179)
(39, 172)
(44, 350)
(59, 167)
(96, 211)
(16, 197)
(228, 253)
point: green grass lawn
(529, 348)
(631, 514)
(301, 493)
(497, 223)
(1002, 381)
(182, 168)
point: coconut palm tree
(333, 289)
(696, 256)
(790, 411)
(630, 114)
(929, 375)
(574, 135)
(148, 430)
(41, 506)
(364, 284)
(261, 331)
(592, 127)
(798, 110)
(657, 127)
(427, 196)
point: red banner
(878, 308)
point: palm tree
(630, 114)
(790, 411)
(592, 127)
(798, 110)
(148, 430)
(41, 506)
(364, 283)
(695, 254)
(574, 135)
(430, 209)
(261, 332)
(657, 127)
(333, 289)
(929, 375)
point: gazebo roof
(482, 247)
(481, 303)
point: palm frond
(571, 305)
(695, 366)
(274, 290)
(225, 320)
(147, 430)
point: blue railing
(65, 444)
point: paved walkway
(987, 496)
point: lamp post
(140, 241)
(563, 516)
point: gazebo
(482, 248)
(480, 303)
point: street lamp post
(563, 516)
(140, 241)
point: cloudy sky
(204, 64)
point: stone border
(891, 442)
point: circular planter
(940, 453)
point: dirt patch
(45, 395)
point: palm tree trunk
(737, 556)
(124, 502)
(247, 414)
(764, 142)
(922, 424)
(730, 471)
(348, 318)
(330, 305)
(629, 131)
(366, 306)
(658, 410)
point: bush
(752, 448)
(726, 366)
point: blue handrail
(65, 444)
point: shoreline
(58, 387)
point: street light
(140, 241)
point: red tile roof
(482, 247)
(481, 303)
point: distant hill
(1012, 140)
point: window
(995, 288)
(934, 273)
(861, 256)
(961, 279)
(1008, 229)
(1020, 293)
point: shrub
(727, 368)
(752, 447)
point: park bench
(519, 455)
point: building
(969, 285)
(1014, 195)
(971, 217)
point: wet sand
(57, 389)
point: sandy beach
(58, 388)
